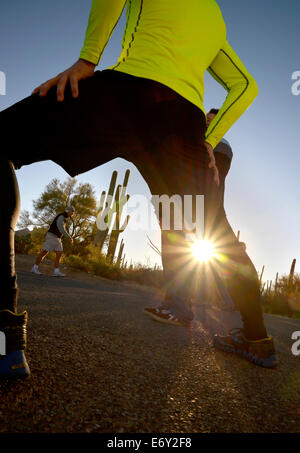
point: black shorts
(115, 115)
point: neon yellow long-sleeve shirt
(174, 42)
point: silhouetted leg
(10, 209)
(240, 277)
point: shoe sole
(20, 374)
(270, 362)
(166, 321)
(14, 366)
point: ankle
(255, 336)
(10, 301)
(14, 327)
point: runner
(148, 108)
(53, 242)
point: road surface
(100, 365)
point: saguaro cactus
(270, 286)
(292, 272)
(111, 206)
(121, 199)
(276, 283)
(106, 204)
(115, 233)
(120, 258)
(260, 280)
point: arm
(229, 71)
(104, 16)
(60, 226)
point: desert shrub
(104, 269)
(75, 261)
(97, 264)
(145, 276)
(276, 304)
(23, 244)
(37, 240)
(285, 300)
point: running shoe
(166, 317)
(57, 273)
(13, 363)
(35, 270)
(260, 352)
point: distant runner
(53, 242)
(148, 109)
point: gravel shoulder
(100, 365)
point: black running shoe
(166, 317)
(13, 363)
(260, 352)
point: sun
(203, 250)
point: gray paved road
(100, 365)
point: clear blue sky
(39, 39)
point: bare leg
(41, 256)
(58, 256)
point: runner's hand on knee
(216, 173)
(212, 164)
(82, 69)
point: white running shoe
(57, 273)
(35, 270)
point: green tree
(54, 199)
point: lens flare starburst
(203, 250)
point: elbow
(252, 89)
(246, 88)
(248, 91)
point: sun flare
(203, 250)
